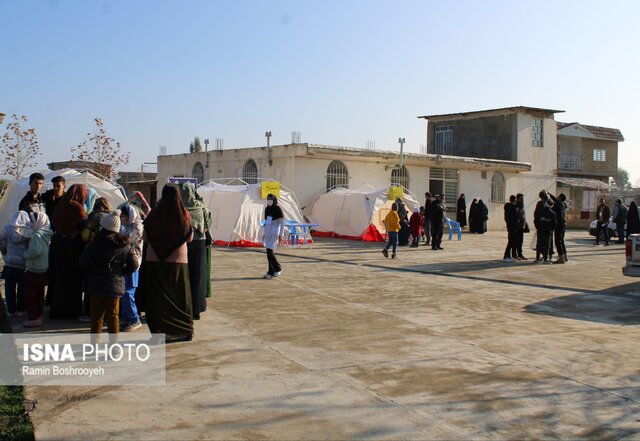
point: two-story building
(520, 134)
(587, 163)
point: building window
(445, 181)
(198, 172)
(400, 176)
(444, 140)
(250, 172)
(337, 175)
(599, 155)
(497, 188)
(537, 132)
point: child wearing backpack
(106, 261)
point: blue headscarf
(90, 200)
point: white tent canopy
(237, 210)
(16, 190)
(355, 213)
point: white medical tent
(355, 214)
(237, 208)
(15, 190)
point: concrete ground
(451, 344)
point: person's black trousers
(512, 244)
(436, 234)
(602, 226)
(543, 244)
(519, 242)
(558, 235)
(274, 266)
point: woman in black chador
(473, 210)
(461, 214)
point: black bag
(526, 228)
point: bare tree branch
(102, 150)
(19, 148)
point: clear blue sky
(340, 72)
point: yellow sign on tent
(395, 193)
(270, 187)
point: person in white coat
(273, 228)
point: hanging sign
(270, 187)
(395, 193)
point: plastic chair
(291, 232)
(454, 227)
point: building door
(444, 181)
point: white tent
(16, 190)
(355, 214)
(237, 210)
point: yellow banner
(395, 193)
(270, 187)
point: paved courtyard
(452, 344)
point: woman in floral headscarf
(200, 220)
(131, 226)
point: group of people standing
(105, 265)
(549, 219)
(427, 222)
(623, 216)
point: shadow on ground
(619, 305)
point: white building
(486, 155)
(310, 170)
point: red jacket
(415, 223)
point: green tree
(622, 179)
(195, 146)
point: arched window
(198, 172)
(337, 175)
(497, 188)
(250, 172)
(400, 176)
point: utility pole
(268, 135)
(206, 159)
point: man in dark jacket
(427, 217)
(437, 219)
(545, 223)
(32, 201)
(52, 197)
(522, 225)
(559, 208)
(602, 218)
(536, 218)
(620, 218)
(511, 219)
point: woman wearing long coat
(461, 214)
(633, 219)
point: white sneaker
(507, 259)
(267, 276)
(277, 274)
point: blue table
(300, 230)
